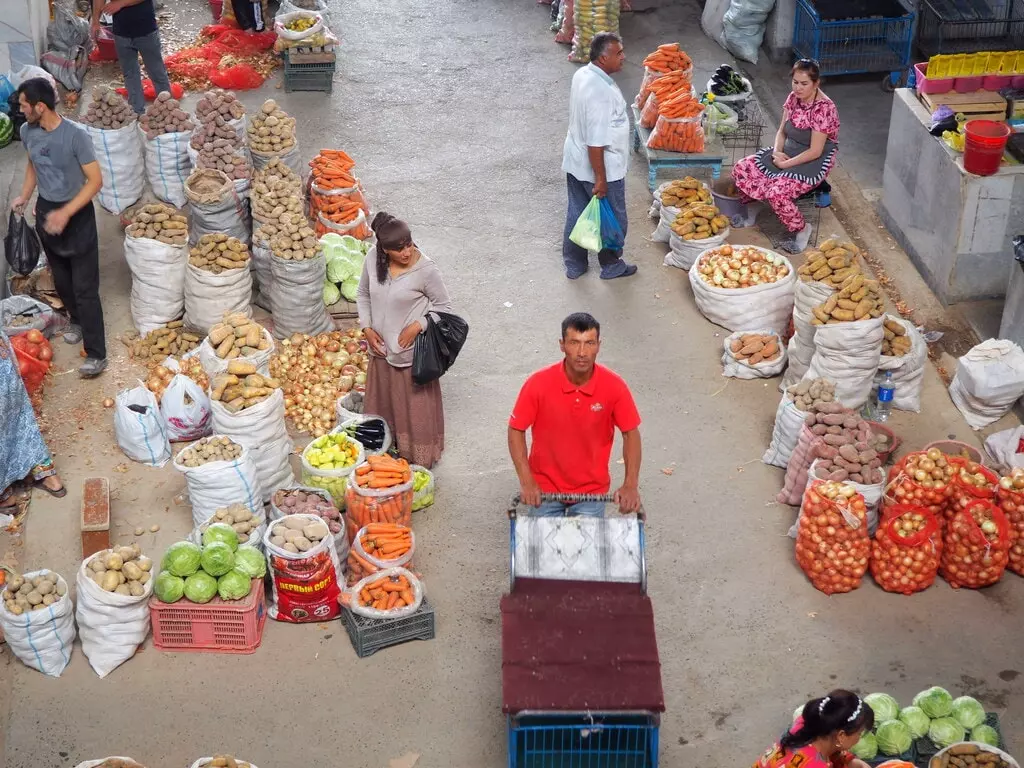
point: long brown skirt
(414, 414)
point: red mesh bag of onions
(922, 479)
(971, 482)
(906, 550)
(832, 543)
(1010, 497)
(975, 546)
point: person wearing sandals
(804, 152)
(24, 456)
(397, 291)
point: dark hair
(582, 322)
(392, 235)
(810, 66)
(839, 711)
(600, 44)
(38, 89)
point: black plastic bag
(21, 244)
(438, 346)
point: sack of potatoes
(271, 129)
(754, 348)
(165, 115)
(896, 342)
(240, 390)
(217, 252)
(238, 336)
(108, 110)
(159, 222)
(122, 570)
(858, 299)
(23, 594)
(170, 340)
(216, 448)
(831, 263)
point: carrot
(362, 469)
(407, 596)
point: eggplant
(724, 68)
(719, 89)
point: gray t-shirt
(58, 157)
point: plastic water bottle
(886, 389)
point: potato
(113, 562)
(132, 571)
(110, 581)
(96, 565)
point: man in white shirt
(596, 153)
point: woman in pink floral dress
(804, 151)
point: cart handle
(569, 499)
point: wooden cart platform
(712, 157)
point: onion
(832, 543)
(108, 402)
(161, 372)
(977, 544)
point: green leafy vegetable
(181, 559)
(986, 734)
(349, 288)
(217, 558)
(945, 731)
(968, 711)
(883, 705)
(168, 588)
(221, 532)
(936, 702)
(251, 562)
(867, 747)
(233, 585)
(332, 295)
(200, 587)
(917, 721)
(893, 737)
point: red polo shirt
(573, 427)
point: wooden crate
(979, 105)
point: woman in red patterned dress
(804, 152)
(823, 734)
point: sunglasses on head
(807, 62)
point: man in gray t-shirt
(63, 167)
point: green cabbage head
(893, 737)
(233, 585)
(168, 588)
(968, 711)
(181, 559)
(220, 532)
(217, 558)
(883, 705)
(350, 288)
(936, 702)
(986, 734)
(867, 747)
(917, 721)
(945, 731)
(201, 587)
(332, 295)
(251, 562)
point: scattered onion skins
(1010, 498)
(832, 544)
(906, 551)
(315, 371)
(975, 546)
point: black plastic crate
(969, 26)
(370, 635)
(308, 77)
(926, 750)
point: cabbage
(917, 721)
(221, 532)
(251, 562)
(968, 711)
(201, 587)
(168, 588)
(884, 706)
(893, 737)
(986, 734)
(349, 287)
(335, 245)
(945, 731)
(936, 702)
(331, 293)
(867, 747)
(181, 559)
(217, 558)
(233, 585)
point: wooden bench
(712, 157)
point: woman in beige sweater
(396, 293)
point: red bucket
(984, 146)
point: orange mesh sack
(1010, 497)
(971, 482)
(906, 550)
(923, 479)
(975, 546)
(832, 544)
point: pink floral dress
(757, 177)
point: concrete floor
(455, 113)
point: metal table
(712, 157)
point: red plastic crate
(220, 626)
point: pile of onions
(971, 482)
(906, 550)
(160, 376)
(975, 546)
(315, 371)
(832, 543)
(922, 479)
(158, 380)
(1010, 497)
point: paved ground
(455, 113)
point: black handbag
(437, 347)
(21, 245)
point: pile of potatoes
(895, 342)
(165, 115)
(858, 299)
(298, 501)
(754, 348)
(23, 594)
(699, 221)
(122, 570)
(160, 222)
(171, 339)
(210, 449)
(278, 197)
(217, 252)
(296, 534)
(848, 449)
(238, 336)
(239, 517)
(237, 391)
(295, 241)
(273, 172)
(215, 110)
(221, 155)
(809, 394)
(830, 263)
(684, 191)
(271, 129)
(108, 110)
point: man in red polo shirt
(573, 408)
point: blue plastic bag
(6, 89)
(612, 236)
(587, 231)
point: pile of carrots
(387, 593)
(681, 135)
(383, 472)
(377, 546)
(667, 61)
(331, 172)
(373, 504)
(662, 91)
(668, 57)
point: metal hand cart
(581, 676)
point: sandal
(59, 493)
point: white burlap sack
(296, 296)
(872, 494)
(806, 296)
(262, 278)
(684, 253)
(225, 212)
(214, 365)
(788, 421)
(139, 427)
(158, 281)
(122, 165)
(219, 484)
(848, 354)
(907, 371)
(741, 369)
(208, 297)
(289, 157)
(261, 429)
(167, 165)
(989, 379)
(666, 215)
(768, 305)
(42, 639)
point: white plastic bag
(989, 379)
(907, 371)
(340, 536)
(214, 365)
(788, 421)
(261, 429)
(320, 6)
(167, 165)
(282, 19)
(394, 613)
(219, 484)
(1004, 447)
(42, 639)
(872, 494)
(314, 579)
(806, 296)
(122, 165)
(110, 626)
(767, 305)
(102, 760)
(666, 215)
(208, 297)
(185, 407)
(254, 537)
(158, 281)
(297, 296)
(848, 354)
(684, 253)
(202, 762)
(741, 369)
(743, 27)
(139, 427)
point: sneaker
(92, 367)
(575, 274)
(73, 335)
(626, 270)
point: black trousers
(74, 258)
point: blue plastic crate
(575, 740)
